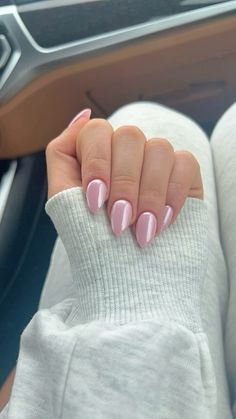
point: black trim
(27, 237)
(60, 25)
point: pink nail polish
(96, 194)
(121, 215)
(146, 228)
(86, 113)
(168, 214)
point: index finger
(94, 154)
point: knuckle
(97, 123)
(52, 147)
(96, 163)
(186, 156)
(177, 189)
(94, 128)
(161, 143)
(95, 152)
(94, 138)
(156, 194)
(176, 184)
(130, 131)
(124, 181)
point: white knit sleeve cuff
(117, 280)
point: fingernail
(86, 113)
(146, 228)
(96, 194)
(168, 214)
(121, 215)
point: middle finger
(128, 145)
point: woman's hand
(145, 183)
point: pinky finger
(185, 181)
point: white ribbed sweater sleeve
(130, 343)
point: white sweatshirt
(130, 344)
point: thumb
(63, 168)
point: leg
(157, 121)
(223, 144)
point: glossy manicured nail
(168, 214)
(96, 194)
(86, 113)
(121, 215)
(146, 228)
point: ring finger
(157, 167)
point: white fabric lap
(223, 144)
(184, 134)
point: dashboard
(56, 22)
(37, 36)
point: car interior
(58, 57)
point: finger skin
(63, 169)
(157, 167)
(128, 144)
(185, 181)
(148, 174)
(93, 148)
(5, 390)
